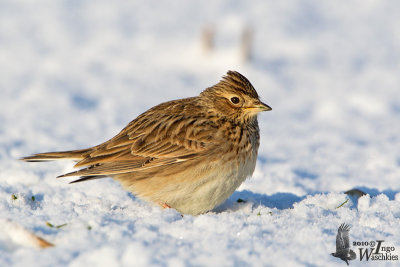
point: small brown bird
(188, 154)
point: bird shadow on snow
(279, 200)
(283, 201)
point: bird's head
(235, 98)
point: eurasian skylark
(188, 154)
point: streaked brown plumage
(189, 154)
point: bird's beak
(260, 106)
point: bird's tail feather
(88, 178)
(48, 156)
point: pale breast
(204, 182)
(217, 180)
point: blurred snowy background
(73, 73)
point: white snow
(73, 73)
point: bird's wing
(345, 235)
(148, 142)
(342, 237)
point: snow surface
(73, 73)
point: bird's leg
(165, 205)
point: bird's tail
(48, 156)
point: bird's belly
(212, 191)
(197, 190)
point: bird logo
(343, 250)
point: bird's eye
(235, 100)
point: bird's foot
(165, 206)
